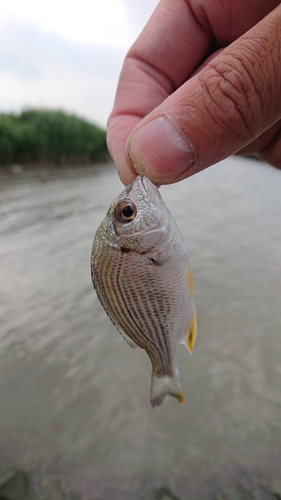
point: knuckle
(231, 96)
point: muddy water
(74, 397)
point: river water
(74, 397)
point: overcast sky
(66, 55)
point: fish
(141, 274)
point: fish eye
(125, 211)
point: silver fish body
(141, 274)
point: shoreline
(46, 172)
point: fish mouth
(148, 190)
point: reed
(46, 136)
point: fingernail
(159, 151)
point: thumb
(227, 105)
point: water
(74, 397)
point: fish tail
(163, 386)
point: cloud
(44, 61)
(106, 21)
(138, 12)
(43, 68)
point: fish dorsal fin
(189, 279)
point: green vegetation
(49, 137)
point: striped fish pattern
(141, 274)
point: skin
(202, 82)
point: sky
(66, 55)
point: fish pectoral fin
(128, 339)
(158, 263)
(165, 385)
(190, 337)
(158, 258)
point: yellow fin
(189, 279)
(180, 397)
(190, 336)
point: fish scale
(141, 274)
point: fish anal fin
(127, 338)
(165, 385)
(190, 337)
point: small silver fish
(141, 274)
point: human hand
(202, 82)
